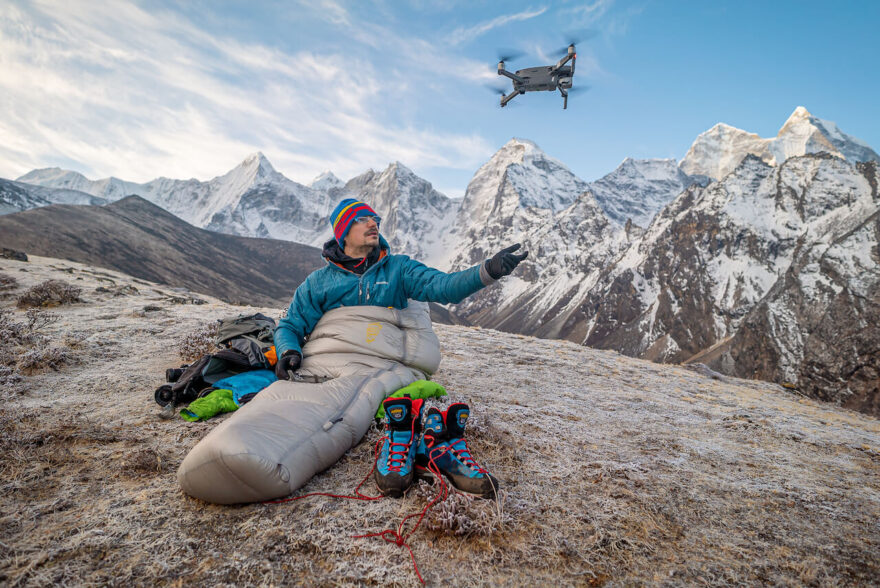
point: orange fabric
(270, 355)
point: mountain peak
(520, 141)
(255, 168)
(800, 116)
(399, 169)
(800, 112)
(804, 133)
(257, 161)
(516, 151)
(726, 130)
(48, 175)
(325, 181)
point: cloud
(589, 13)
(462, 35)
(139, 94)
(614, 22)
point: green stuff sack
(419, 389)
(217, 402)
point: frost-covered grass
(7, 282)
(613, 471)
(199, 342)
(49, 293)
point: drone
(543, 78)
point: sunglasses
(363, 219)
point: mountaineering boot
(394, 464)
(445, 445)
(433, 438)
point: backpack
(252, 335)
(246, 344)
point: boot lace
(395, 464)
(462, 452)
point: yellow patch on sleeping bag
(373, 331)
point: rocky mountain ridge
(18, 196)
(679, 289)
(639, 188)
(740, 273)
(140, 239)
(718, 151)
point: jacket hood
(333, 253)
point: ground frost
(614, 471)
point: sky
(139, 90)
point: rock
(125, 290)
(14, 254)
(186, 300)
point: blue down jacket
(388, 283)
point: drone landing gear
(564, 99)
(509, 97)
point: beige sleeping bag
(294, 429)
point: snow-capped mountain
(743, 272)
(256, 201)
(252, 199)
(519, 189)
(521, 195)
(110, 189)
(816, 327)
(639, 188)
(414, 215)
(326, 181)
(18, 196)
(15, 198)
(718, 151)
(790, 247)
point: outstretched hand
(504, 262)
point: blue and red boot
(394, 464)
(443, 443)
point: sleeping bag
(354, 358)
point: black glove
(288, 362)
(503, 262)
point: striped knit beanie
(344, 214)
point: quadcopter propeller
(576, 39)
(579, 89)
(496, 89)
(499, 91)
(508, 55)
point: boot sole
(424, 473)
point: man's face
(363, 234)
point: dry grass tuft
(26, 351)
(145, 461)
(36, 360)
(49, 293)
(198, 343)
(10, 381)
(462, 514)
(7, 282)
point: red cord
(389, 535)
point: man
(369, 343)
(361, 271)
